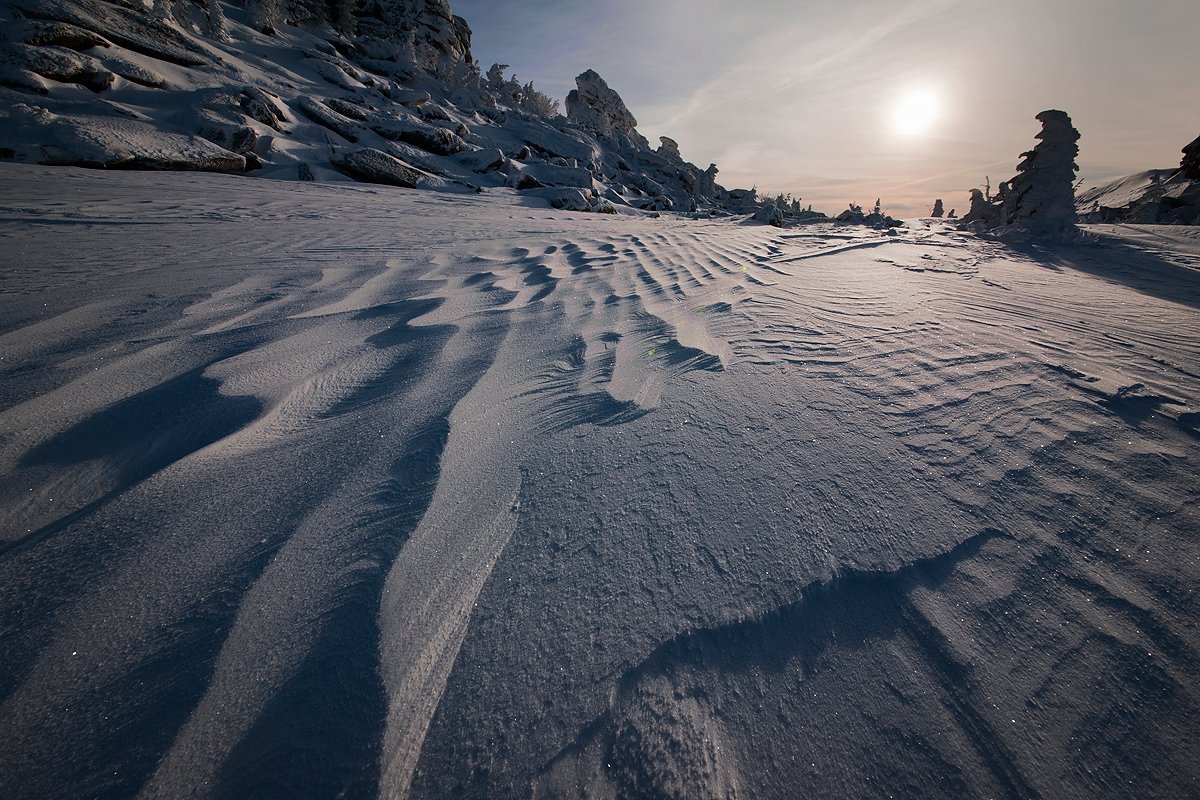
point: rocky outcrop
(1156, 196)
(595, 107)
(981, 211)
(669, 149)
(400, 101)
(425, 30)
(326, 117)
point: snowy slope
(1156, 196)
(343, 490)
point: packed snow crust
(363, 491)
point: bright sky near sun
(848, 101)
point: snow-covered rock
(376, 166)
(597, 108)
(982, 211)
(555, 175)
(769, 214)
(34, 134)
(425, 30)
(669, 149)
(1156, 196)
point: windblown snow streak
(347, 491)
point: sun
(915, 112)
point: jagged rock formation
(425, 29)
(595, 107)
(306, 89)
(669, 149)
(938, 208)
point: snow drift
(362, 491)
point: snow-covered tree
(938, 208)
(1041, 196)
(537, 102)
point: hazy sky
(800, 96)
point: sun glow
(915, 112)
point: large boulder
(58, 64)
(326, 117)
(553, 175)
(430, 138)
(597, 108)
(376, 166)
(62, 34)
(770, 214)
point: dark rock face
(1191, 160)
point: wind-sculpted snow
(349, 491)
